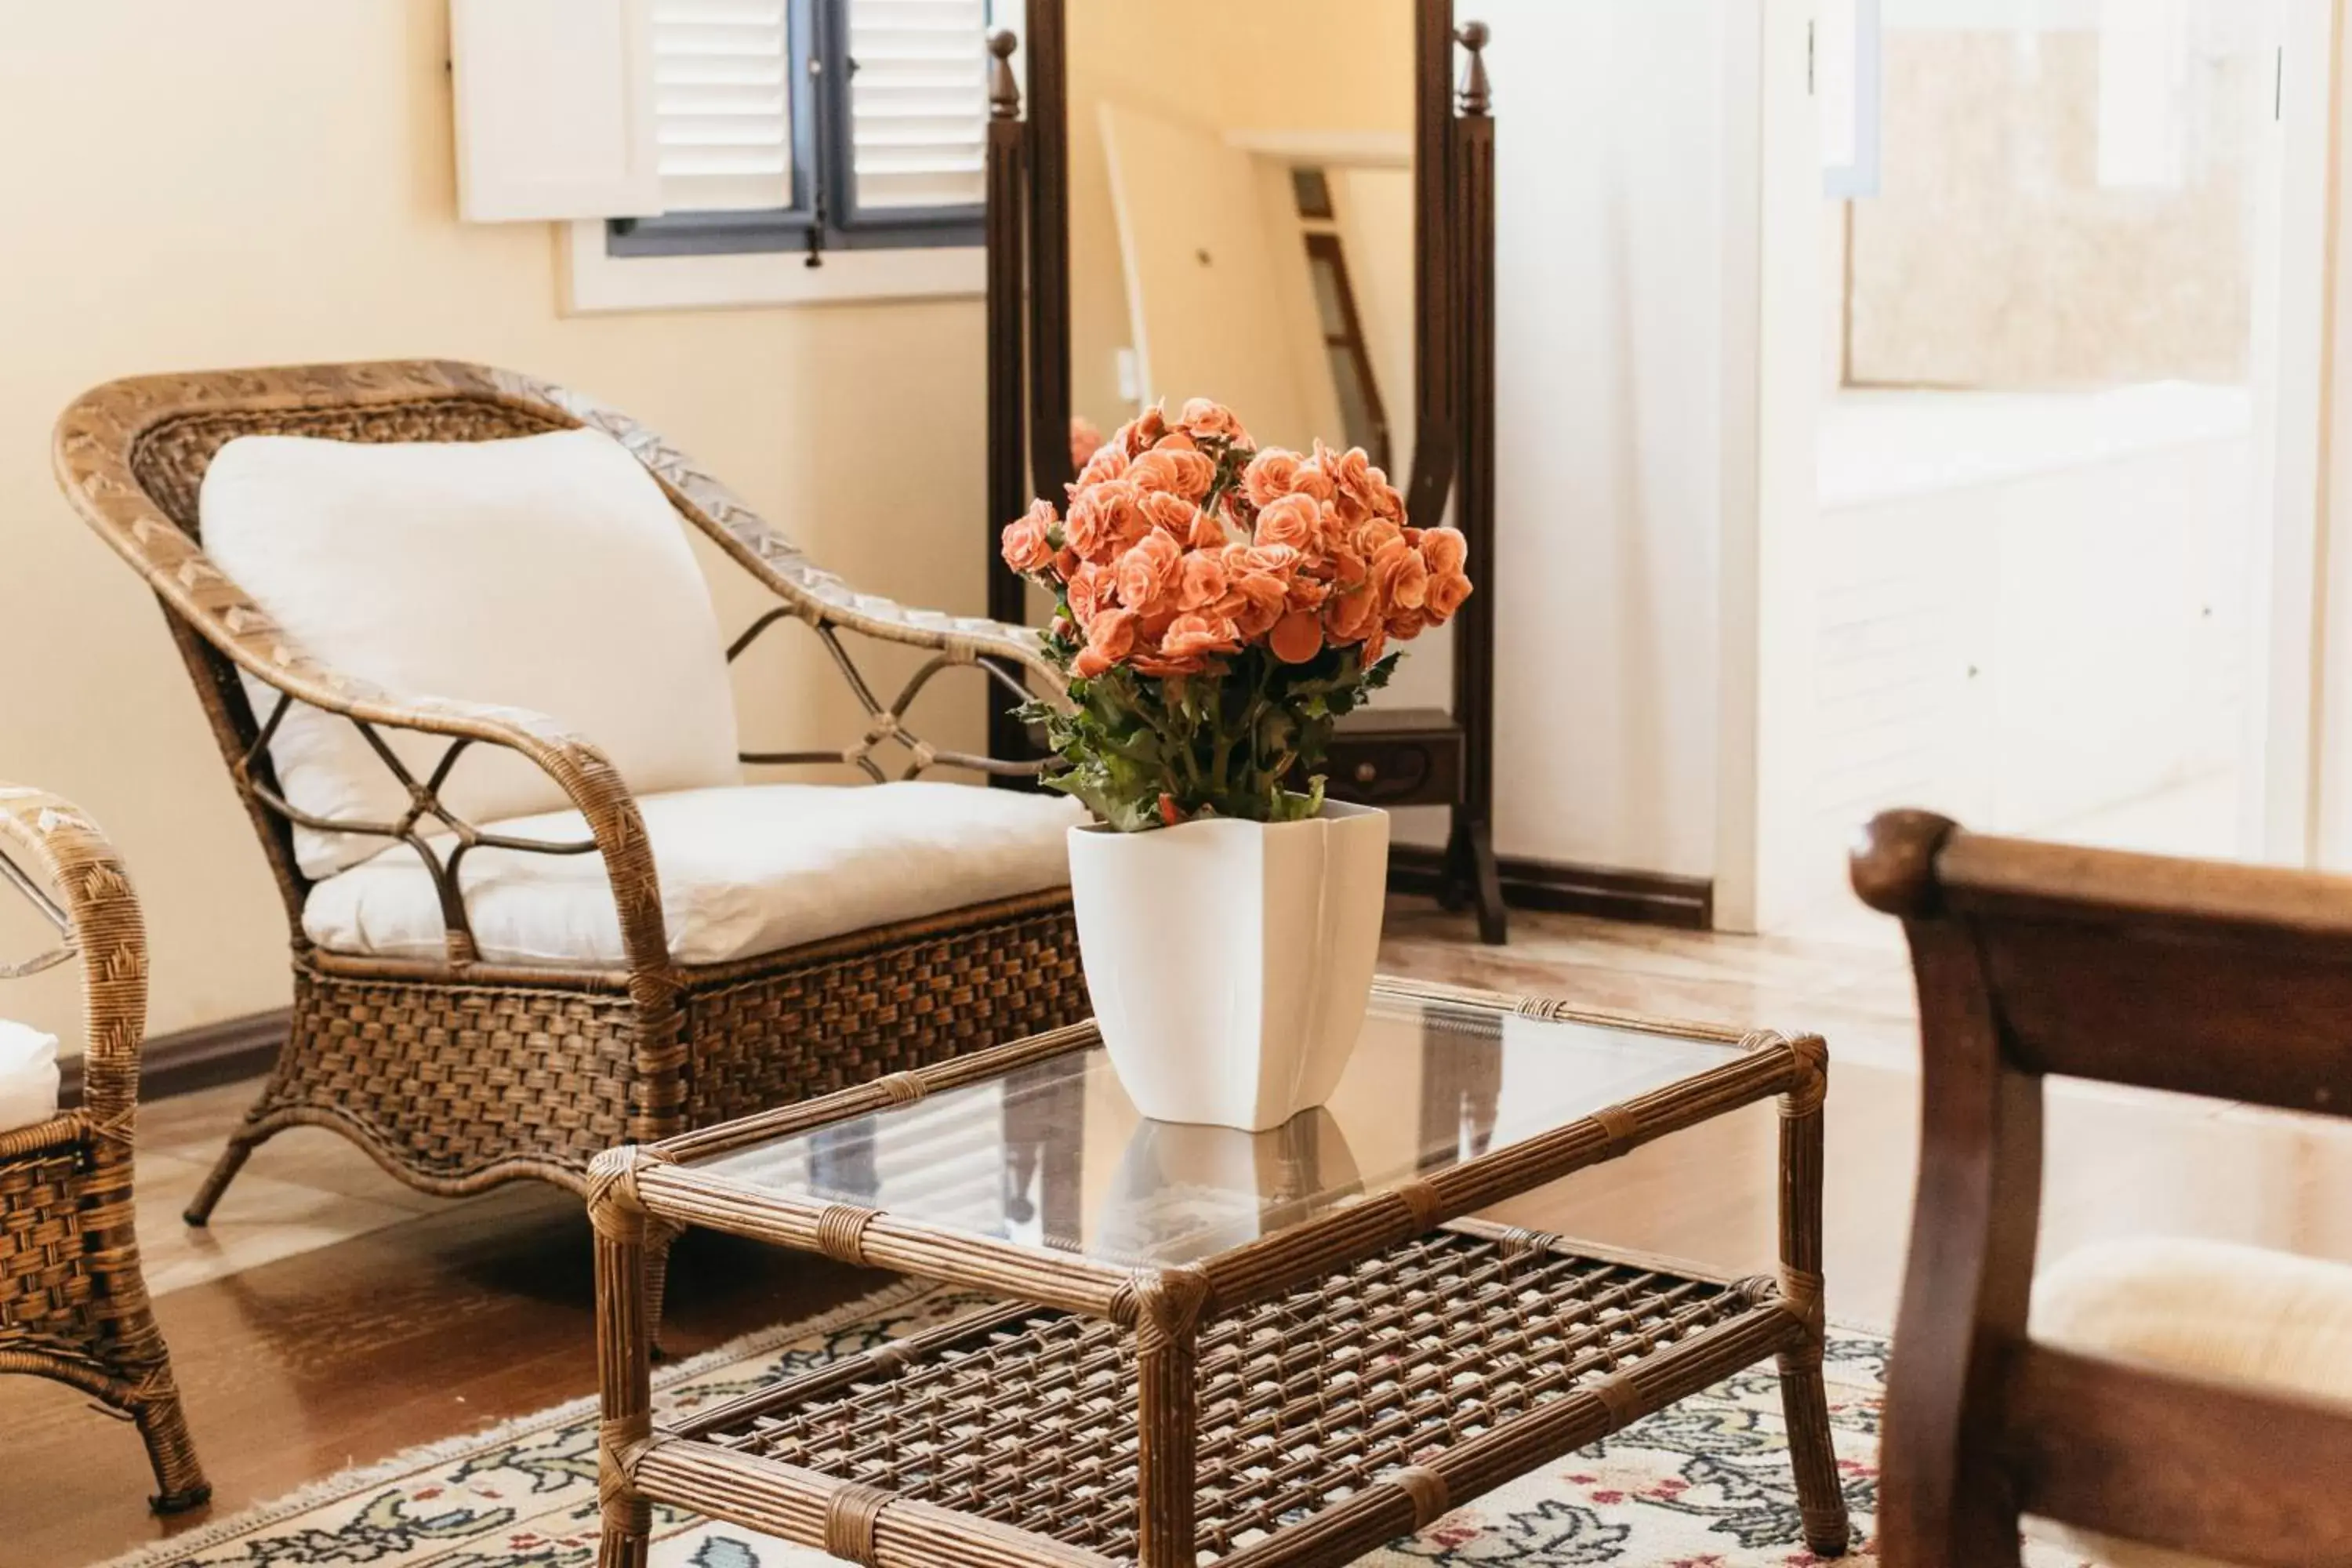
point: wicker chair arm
(55, 844)
(814, 594)
(90, 459)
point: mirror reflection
(1242, 216)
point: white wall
(1609, 168)
(270, 181)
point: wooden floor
(330, 1318)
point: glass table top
(1054, 1155)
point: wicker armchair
(73, 1304)
(456, 1073)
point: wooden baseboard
(197, 1059)
(1644, 897)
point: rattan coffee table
(1213, 1347)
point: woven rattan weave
(458, 1074)
(73, 1303)
(1305, 1400)
(1299, 1396)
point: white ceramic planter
(1229, 962)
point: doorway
(2034, 431)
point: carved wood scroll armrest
(48, 843)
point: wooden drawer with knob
(1411, 756)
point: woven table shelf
(1275, 1350)
(1026, 1418)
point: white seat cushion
(547, 573)
(28, 1076)
(2199, 1309)
(752, 869)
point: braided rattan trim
(849, 1520)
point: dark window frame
(825, 217)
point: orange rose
(1106, 519)
(1446, 594)
(1107, 463)
(1400, 577)
(1406, 624)
(1207, 534)
(1444, 548)
(1204, 581)
(1140, 434)
(1445, 553)
(1171, 514)
(1162, 668)
(1111, 636)
(1183, 473)
(1351, 478)
(1351, 617)
(1205, 419)
(1086, 591)
(1298, 637)
(1282, 560)
(1375, 646)
(1271, 474)
(1150, 573)
(1198, 636)
(1345, 568)
(1029, 540)
(1253, 602)
(1175, 441)
(1305, 593)
(1295, 520)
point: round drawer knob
(1366, 772)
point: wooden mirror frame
(1448, 758)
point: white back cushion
(28, 1076)
(546, 572)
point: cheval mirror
(1283, 204)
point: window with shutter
(817, 125)
(918, 102)
(723, 103)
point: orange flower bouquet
(1218, 607)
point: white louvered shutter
(723, 104)
(918, 102)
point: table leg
(1167, 1415)
(624, 1355)
(1821, 1501)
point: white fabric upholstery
(2199, 1309)
(749, 870)
(546, 572)
(28, 1076)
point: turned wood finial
(1004, 86)
(1477, 93)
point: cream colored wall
(269, 181)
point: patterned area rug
(1702, 1484)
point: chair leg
(1820, 1500)
(241, 1145)
(179, 1478)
